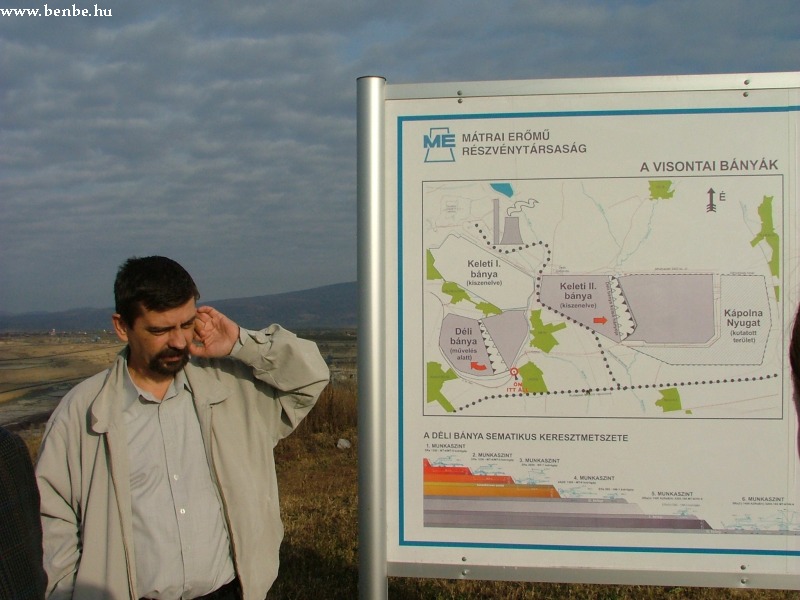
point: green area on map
(487, 308)
(768, 235)
(436, 378)
(661, 189)
(459, 294)
(431, 272)
(456, 292)
(532, 379)
(542, 333)
(670, 400)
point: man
(21, 573)
(157, 476)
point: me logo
(439, 144)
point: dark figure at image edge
(21, 573)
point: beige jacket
(245, 406)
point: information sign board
(588, 291)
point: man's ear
(120, 327)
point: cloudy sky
(223, 134)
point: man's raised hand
(214, 334)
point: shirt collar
(131, 392)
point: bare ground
(37, 370)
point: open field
(318, 483)
(37, 370)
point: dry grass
(319, 502)
(336, 410)
(32, 436)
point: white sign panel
(590, 302)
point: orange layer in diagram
(428, 468)
(460, 481)
(513, 490)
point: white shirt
(180, 538)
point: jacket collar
(106, 409)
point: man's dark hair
(151, 282)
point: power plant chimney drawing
(510, 234)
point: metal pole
(373, 582)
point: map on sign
(606, 297)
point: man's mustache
(173, 353)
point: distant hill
(328, 307)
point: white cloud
(223, 134)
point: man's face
(159, 341)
